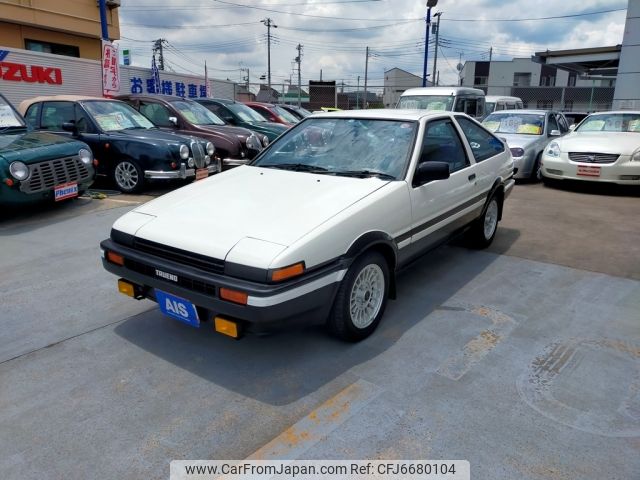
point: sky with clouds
(229, 34)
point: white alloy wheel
(367, 295)
(127, 176)
(491, 219)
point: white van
(452, 99)
(494, 103)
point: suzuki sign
(20, 72)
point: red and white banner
(110, 70)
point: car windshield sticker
(113, 121)
(190, 116)
(530, 129)
(510, 124)
(634, 125)
(492, 125)
(8, 117)
(593, 125)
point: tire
(361, 298)
(484, 229)
(128, 176)
(536, 170)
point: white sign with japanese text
(110, 70)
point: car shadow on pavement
(289, 365)
(593, 188)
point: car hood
(621, 143)
(210, 216)
(238, 132)
(37, 146)
(152, 135)
(520, 141)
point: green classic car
(37, 166)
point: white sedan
(605, 147)
(315, 229)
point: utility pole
(366, 70)
(435, 55)
(490, 54)
(299, 61)
(157, 47)
(430, 5)
(246, 79)
(269, 23)
(103, 19)
(358, 94)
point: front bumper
(623, 171)
(524, 165)
(307, 299)
(182, 173)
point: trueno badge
(167, 276)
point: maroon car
(234, 145)
(274, 113)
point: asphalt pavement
(523, 359)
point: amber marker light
(287, 272)
(234, 296)
(115, 258)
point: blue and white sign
(177, 308)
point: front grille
(188, 283)
(198, 154)
(593, 157)
(201, 262)
(46, 175)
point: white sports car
(605, 147)
(316, 227)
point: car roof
(167, 98)
(523, 110)
(495, 98)
(260, 104)
(442, 91)
(633, 112)
(59, 98)
(384, 114)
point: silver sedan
(527, 132)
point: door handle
(472, 177)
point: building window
(480, 80)
(547, 81)
(522, 79)
(55, 48)
(545, 104)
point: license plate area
(178, 308)
(201, 173)
(64, 191)
(588, 171)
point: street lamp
(430, 4)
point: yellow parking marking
(297, 439)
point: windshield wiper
(297, 167)
(11, 127)
(363, 174)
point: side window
(54, 114)
(459, 105)
(500, 106)
(33, 112)
(441, 143)
(511, 106)
(553, 124)
(519, 105)
(564, 127)
(471, 107)
(158, 114)
(482, 143)
(83, 124)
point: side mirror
(572, 127)
(429, 171)
(555, 133)
(70, 127)
(173, 121)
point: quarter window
(482, 143)
(441, 143)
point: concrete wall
(627, 92)
(397, 81)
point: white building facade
(397, 81)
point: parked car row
(131, 139)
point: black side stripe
(439, 218)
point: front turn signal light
(115, 258)
(287, 272)
(234, 296)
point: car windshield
(8, 116)
(611, 122)
(427, 102)
(245, 113)
(303, 111)
(114, 115)
(344, 146)
(197, 114)
(286, 115)
(518, 123)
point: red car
(274, 113)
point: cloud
(229, 37)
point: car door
(485, 149)
(438, 207)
